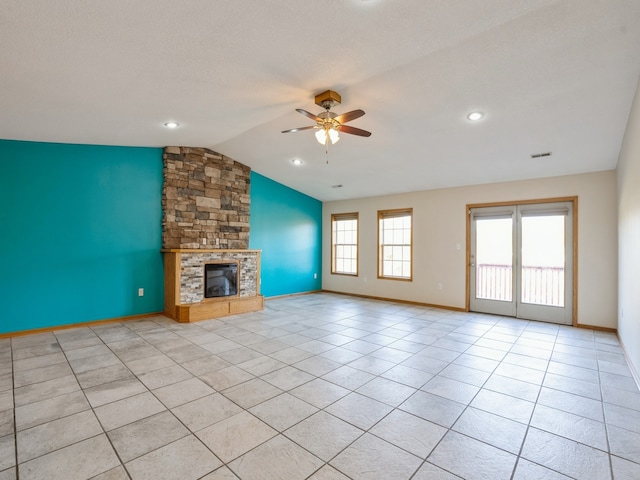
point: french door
(521, 261)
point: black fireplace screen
(220, 280)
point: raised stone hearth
(184, 284)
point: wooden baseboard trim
(79, 325)
(596, 328)
(395, 300)
(287, 295)
(632, 367)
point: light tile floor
(321, 387)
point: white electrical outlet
(439, 285)
(141, 292)
(204, 241)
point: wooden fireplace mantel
(207, 250)
(207, 308)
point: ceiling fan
(329, 125)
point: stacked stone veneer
(192, 273)
(205, 200)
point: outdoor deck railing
(540, 285)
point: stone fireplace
(206, 202)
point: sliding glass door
(521, 261)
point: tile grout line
(393, 408)
(325, 463)
(91, 408)
(104, 432)
(604, 416)
(450, 429)
(424, 461)
(162, 403)
(15, 424)
(557, 334)
(247, 410)
(367, 431)
(191, 432)
(526, 433)
(122, 463)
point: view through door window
(543, 260)
(494, 257)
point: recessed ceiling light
(475, 116)
(172, 124)
(297, 162)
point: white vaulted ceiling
(551, 76)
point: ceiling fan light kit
(330, 133)
(329, 125)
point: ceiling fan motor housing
(328, 99)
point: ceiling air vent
(540, 155)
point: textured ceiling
(554, 76)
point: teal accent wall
(81, 232)
(287, 226)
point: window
(344, 243)
(394, 240)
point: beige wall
(440, 226)
(629, 237)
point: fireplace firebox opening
(220, 280)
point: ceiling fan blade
(313, 117)
(354, 131)
(347, 117)
(299, 128)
